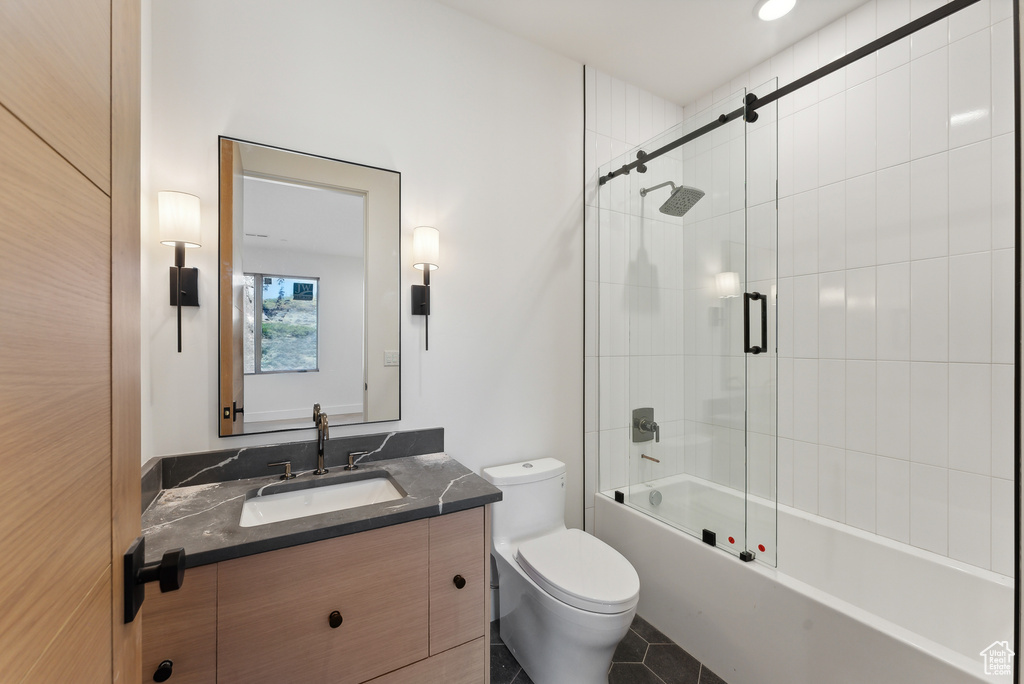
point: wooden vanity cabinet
(465, 664)
(457, 551)
(273, 609)
(181, 626)
(402, 616)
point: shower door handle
(747, 296)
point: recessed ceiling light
(770, 10)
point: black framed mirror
(309, 290)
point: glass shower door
(683, 225)
(686, 325)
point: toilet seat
(581, 570)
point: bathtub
(842, 606)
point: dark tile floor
(504, 667)
(644, 656)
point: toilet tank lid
(524, 471)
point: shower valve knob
(644, 426)
(650, 426)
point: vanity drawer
(274, 608)
(457, 549)
(181, 626)
(463, 664)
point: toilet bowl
(565, 598)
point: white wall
(486, 131)
(896, 277)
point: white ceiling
(678, 49)
(302, 218)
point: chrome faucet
(323, 433)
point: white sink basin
(299, 503)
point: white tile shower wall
(895, 284)
(906, 288)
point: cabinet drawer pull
(334, 620)
(459, 581)
(163, 671)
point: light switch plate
(391, 357)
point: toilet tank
(532, 498)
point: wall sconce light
(426, 248)
(179, 228)
(727, 284)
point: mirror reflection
(309, 288)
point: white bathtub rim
(969, 665)
(916, 552)
(902, 547)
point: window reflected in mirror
(284, 311)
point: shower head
(680, 201)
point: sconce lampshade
(727, 284)
(426, 247)
(179, 218)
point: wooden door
(232, 307)
(69, 336)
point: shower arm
(644, 191)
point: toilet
(565, 598)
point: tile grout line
(654, 674)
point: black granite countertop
(204, 518)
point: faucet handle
(316, 413)
(648, 425)
(288, 475)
